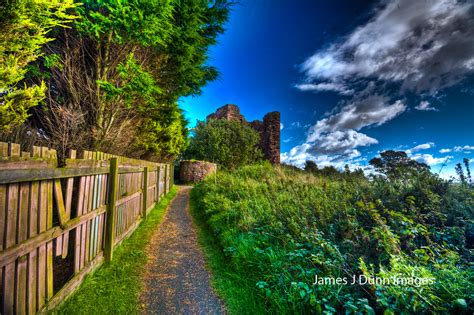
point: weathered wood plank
(42, 227)
(9, 289)
(87, 225)
(49, 220)
(58, 194)
(36, 151)
(33, 218)
(3, 149)
(111, 208)
(68, 202)
(158, 182)
(59, 246)
(41, 272)
(145, 192)
(30, 244)
(21, 285)
(23, 209)
(49, 270)
(88, 242)
(27, 175)
(13, 163)
(14, 150)
(10, 240)
(78, 230)
(130, 169)
(22, 235)
(3, 211)
(12, 216)
(49, 245)
(32, 279)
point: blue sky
(351, 78)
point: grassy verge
(280, 227)
(233, 287)
(115, 288)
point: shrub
(228, 143)
(281, 227)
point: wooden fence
(58, 224)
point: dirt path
(176, 281)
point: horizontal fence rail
(58, 224)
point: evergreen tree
(116, 75)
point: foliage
(397, 164)
(163, 133)
(115, 287)
(237, 290)
(228, 143)
(281, 227)
(25, 25)
(332, 172)
(117, 72)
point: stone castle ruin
(268, 128)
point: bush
(281, 227)
(227, 143)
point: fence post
(145, 191)
(157, 190)
(165, 180)
(110, 227)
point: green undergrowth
(268, 231)
(115, 287)
(233, 287)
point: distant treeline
(104, 75)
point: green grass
(115, 287)
(237, 292)
(269, 230)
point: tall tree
(119, 71)
(397, 164)
(122, 68)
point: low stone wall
(195, 171)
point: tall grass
(280, 227)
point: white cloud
(424, 146)
(322, 87)
(336, 138)
(370, 111)
(334, 148)
(426, 106)
(340, 142)
(282, 126)
(424, 157)
(417, 46)
(463, 148)
(424, 45)
(295, 124)
(287, 140)
(429, 159)
(445, 150)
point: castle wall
(270, 136)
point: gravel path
(176, 281)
